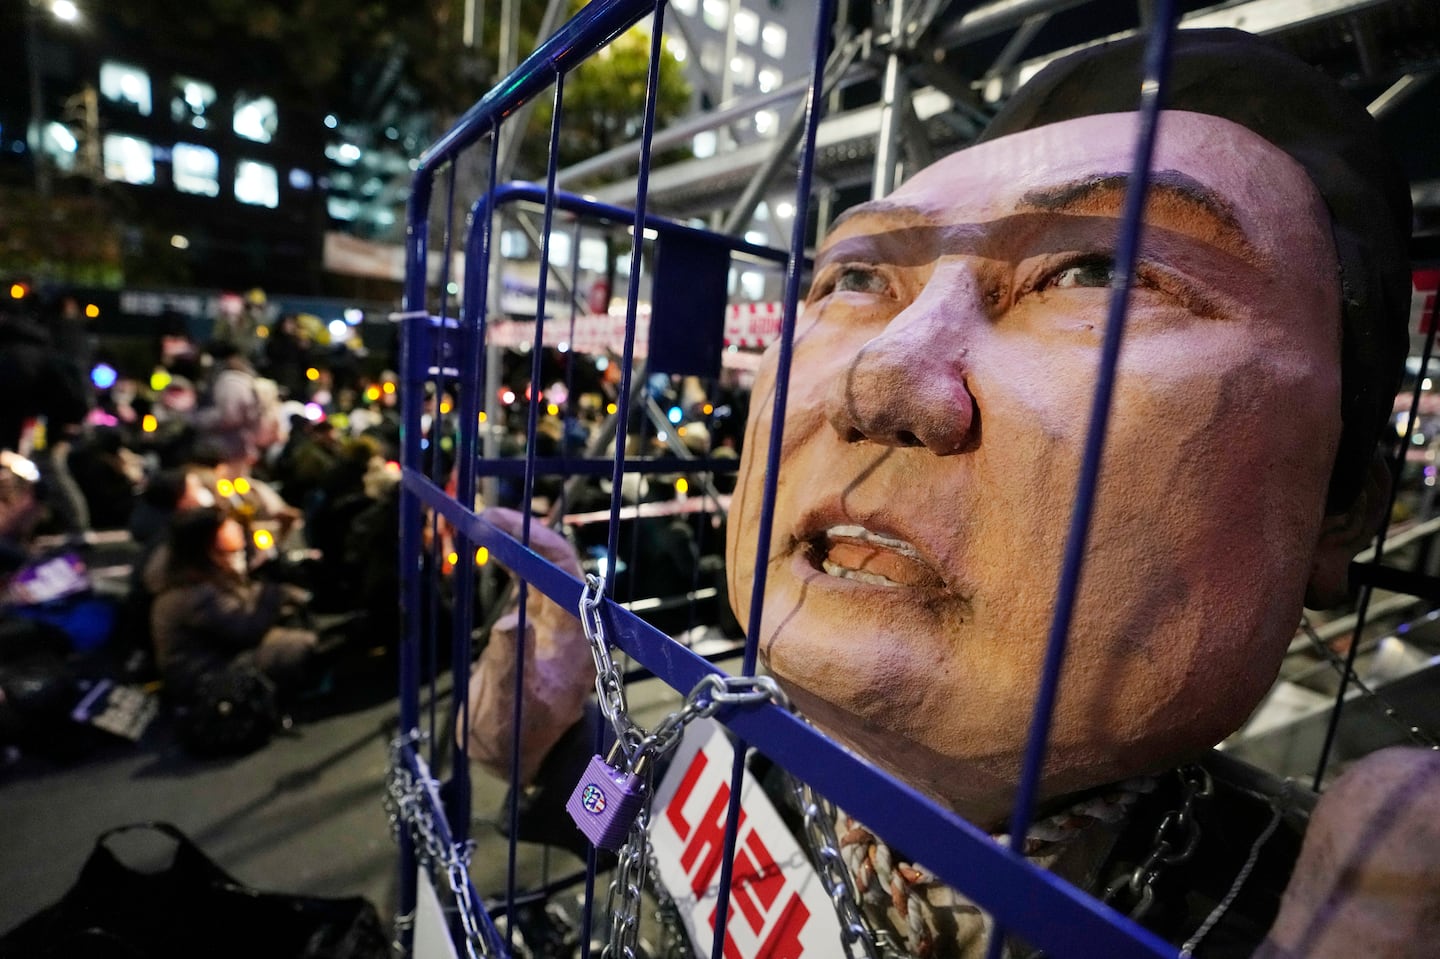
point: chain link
(856, 930)
(1175, 842)
(609, 681)
(1417, 733)
(642, 750)
(409, 806)
(674, 942)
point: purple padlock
(605, 803)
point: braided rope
(935, 922)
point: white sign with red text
(778, 907)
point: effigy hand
(559, 670)
(1367, 882)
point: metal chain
(609, 681)
(1416, 733)
(642, 751)
(408, 805)
(626, 889)
(856, 930)
(674, 942)
(1175, 842)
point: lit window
(256, 184)
(766, 122)
(342, 209)
(256, 118)
(717, 14)
(190, 102)
(757, 237)
(704, 144)
(772, 39)
(128, 160)
(712, 58)
(514, 244)
(742, 68)
(346, 154)
(752, 285)
(58, 142)
(768, 79)
(195, 169)
(592, 254)
(747, 27)
(559, 248)
(126, 85)
(686, 7)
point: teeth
(864, 535)
(841, 572)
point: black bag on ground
(233, 711)
(185, 908)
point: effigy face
(942, 378)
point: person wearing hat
(942, 375)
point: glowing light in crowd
(445, 407)
(553, 410)
(707, 409)
(681, 486)
(452, 558)
(354, 315)
(242, 485)
(312, 374)
(482, 556)
(388, 388)
(160, 379)
(482, 417)
(372, 393)
(338, 329)
(149, 424)
(507, 396)
(65, 10)
(610, 408)
(103, 376)
(91, 310)
(225, 488)
(675, 414)
(263, 539)
(17, 291)
(602, 363)
(314, 413)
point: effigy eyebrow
(1173, 195)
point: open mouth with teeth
(856, 553)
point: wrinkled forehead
(1210, 176)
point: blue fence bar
(1045, 910)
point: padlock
(606, 801)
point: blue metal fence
(445, 346)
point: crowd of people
(255, 484)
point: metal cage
(444, 347)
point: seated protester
(209, 615)
(107, 474)
(943, 365)
(164, 495)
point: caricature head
(942, 377)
